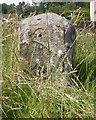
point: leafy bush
(76, 14)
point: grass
(27, 97)
(86, 57)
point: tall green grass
(27, 97)
(86, 58)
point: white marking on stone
(37, 61)
(60, 52)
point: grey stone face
(46, 38)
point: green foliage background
(64, 8)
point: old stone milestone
(46, 38)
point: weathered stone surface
(46, 38)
